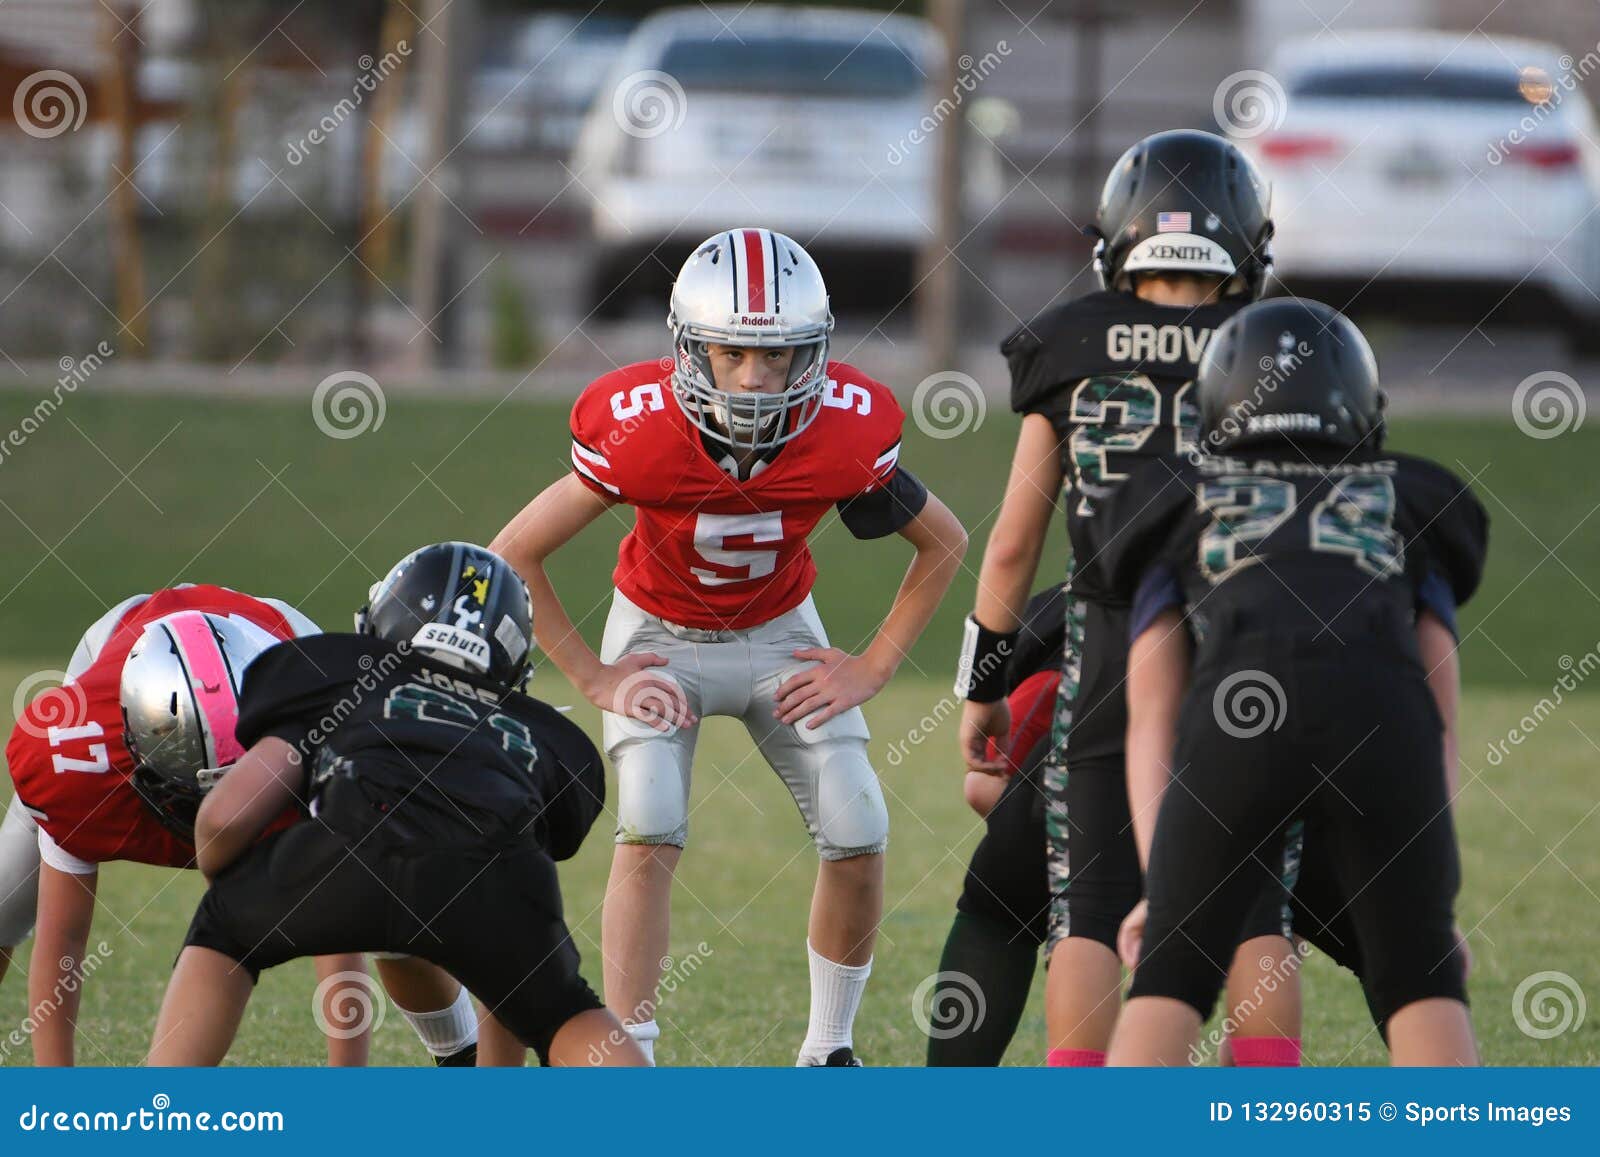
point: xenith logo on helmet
(1179, 253)
(1283, 423)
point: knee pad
(652, 791)
(851, 818)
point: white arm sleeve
(63, 861)
(95, 637)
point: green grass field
(250, 494)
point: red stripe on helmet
(755, 276)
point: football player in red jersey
(111, 766)
(730, 454)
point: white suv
(800, 120)
(1426, 161)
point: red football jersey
(706, 549)
(69, 763)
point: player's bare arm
(1436, 643)
(1441, 661)
(841, 680)
(66, 912)
(238, 810)
(546, 524)
(1010, 562)
(1158, 675)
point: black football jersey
(1291, 546)
(451, 756)
(1115, 376)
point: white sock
(645, 1034)
(449, 1030)
(836, 991)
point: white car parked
(1435, 161)
(801, 120)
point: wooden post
(444, 47)
(122, 69)
(939, 297)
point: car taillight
(1548, 156)
(1292, 147)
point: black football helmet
(462, 604)
(1289, 368)
(1184, 202)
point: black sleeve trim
(889, 508)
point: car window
(1394, 82)
(810, 65)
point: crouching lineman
(1001, 914)
(112, 766)
(1300, 548)
(441, 797)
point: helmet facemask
(748, 420)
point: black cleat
(465, 1058)
(842, 1058)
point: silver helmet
(750, 287)
(180, 704)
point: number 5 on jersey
(711, 533)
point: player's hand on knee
(837, 683)
(1130, 937)
(629, 688)
(981, 722)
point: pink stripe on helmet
(212, 686)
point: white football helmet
(750, 287)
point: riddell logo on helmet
(755, 319)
